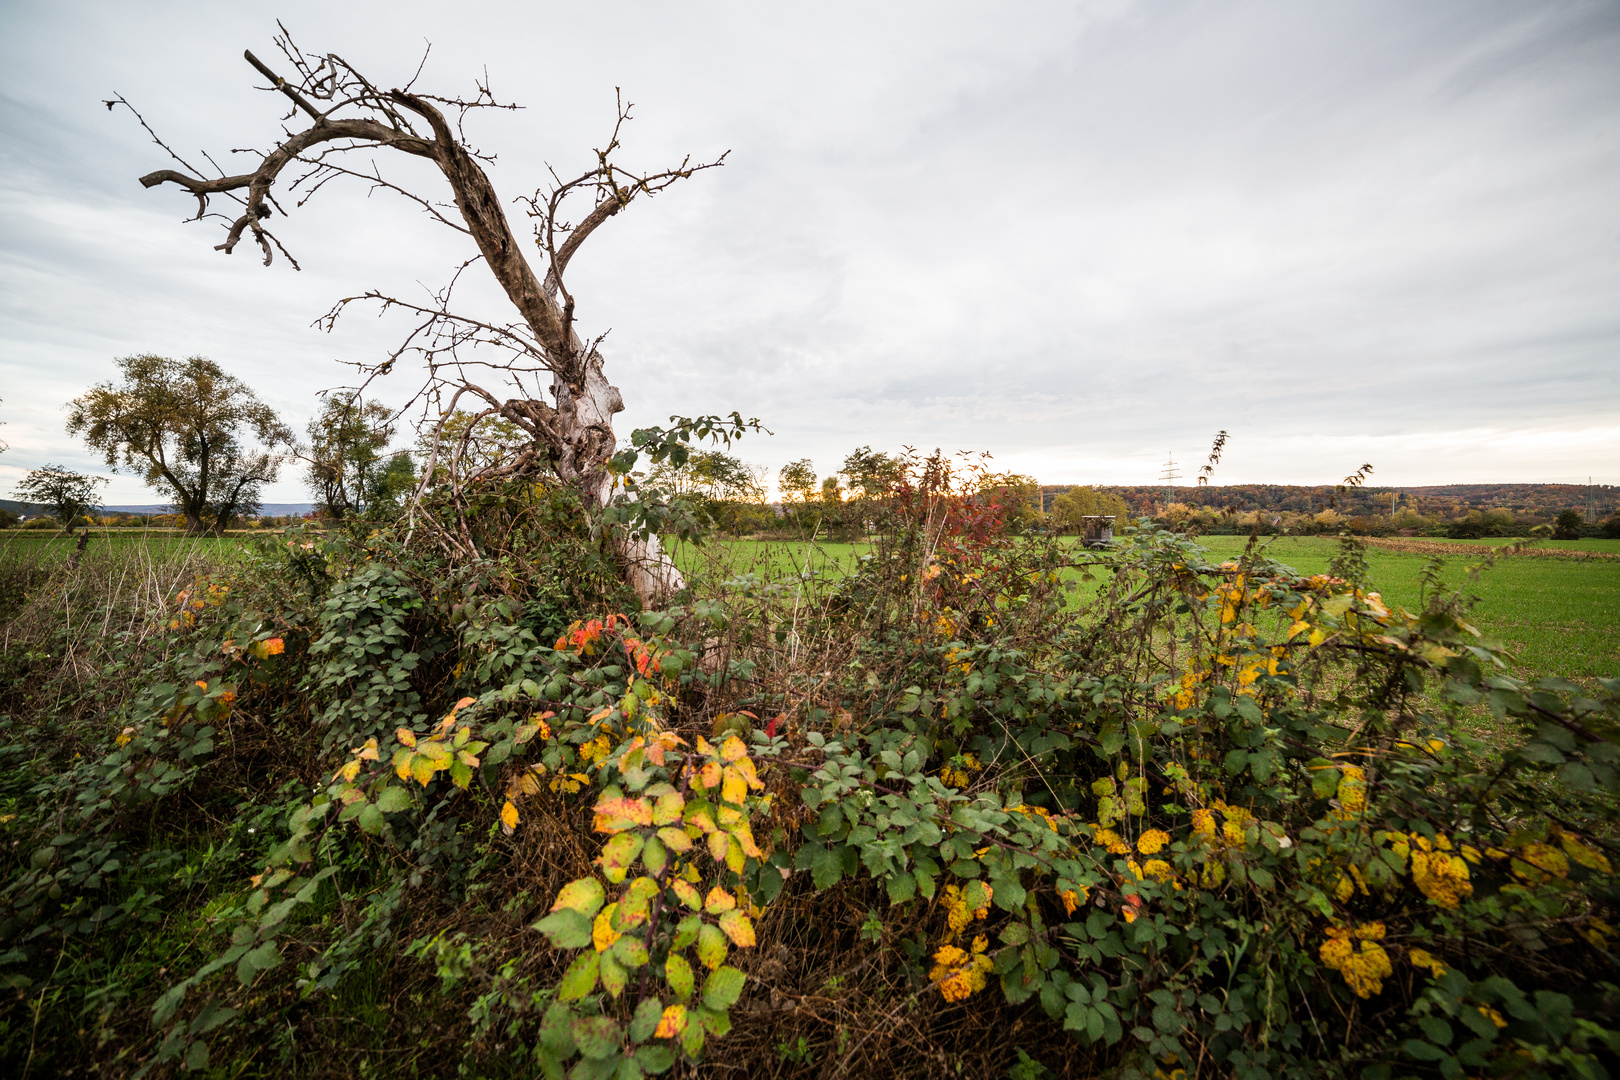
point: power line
(1169, 476)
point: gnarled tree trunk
(572, 437)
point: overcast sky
(1078, 236)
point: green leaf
(619, 854)
(692, 1037)
(597, 1036)
(1423, 1051)
(630, 951)
(654, 857)
(686, 931)
(925, 883)
(1324, 779)
(826, 867)
(556, 1030)
(646, 1019)
(210, 1018)
(655, 1059)
(580, 978)
(263, 958)
(711, 946)
(722, 988)
(1576, 777)
(678, 973)
(902, 887)
(393, 800)
(614, 976)
(370, 819)
(197, 1056)
(1435, 1030)
(567, 929)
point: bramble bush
(366, 804)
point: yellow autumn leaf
(422, 768)
(406, 736)
(734, 789)
(675, 839)
(737, 927)
(509, 816)
(602, 933)
(672, 1023)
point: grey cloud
(1073, 235)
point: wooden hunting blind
(1098, 530)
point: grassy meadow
(1559, 616)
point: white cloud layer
(1076, 235)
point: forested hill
(1447, 500)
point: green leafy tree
(712, 474)
(1021, 494)
(1567, 525)
(1069, 508)
(70, 495)
(184, 427)
(349, 469)
(798, 480)
(868, 474)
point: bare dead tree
(337, 117)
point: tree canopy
(348, 467)
(185, 427)
(70, 495)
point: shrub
(1224, 817)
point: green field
(1558, 616)
(1597, 544)
(50, 546)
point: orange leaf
(617, 815)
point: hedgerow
(484, 814)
